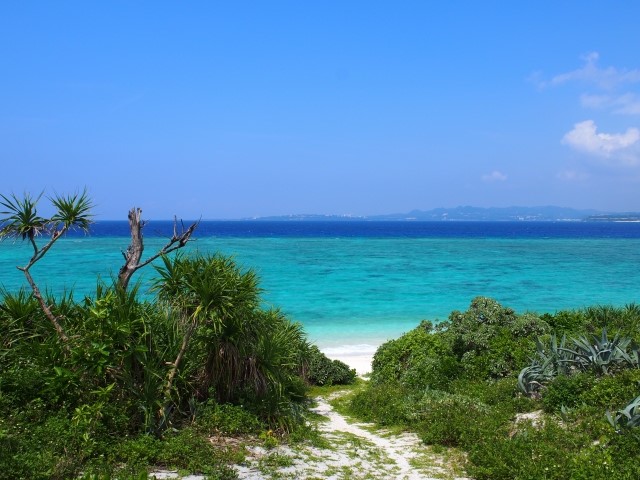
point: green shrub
(567, 391)
(321, 370)
(505, 355)
(502, 391)
(132, 456)
(448, 419)
(418, 359)
(528, 454)
(613, 392)
(44, 448)
(227, 419)
(475, 329)
(616, 459)
(490, 340)
(566, 321)
(188, 450)
(387, 404)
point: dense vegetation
(111, 384)
(471, 381)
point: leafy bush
(566, 391)
(387, 404)
(418, 359)
(133, 455)
(529, 453)
(502, 391)
(490, 340)
(41, 446)
(615, 459)
(227, 419)
(321, 370)
(566, 321)
(187, 450)
(445, 418)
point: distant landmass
(477, 214)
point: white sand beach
(358, 356)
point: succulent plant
(628, 417)
(549, 361)
(602, 355)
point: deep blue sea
(355, 284)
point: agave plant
(628, 417)
(550, 360)
(602, 355)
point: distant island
(475, 214)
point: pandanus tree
(106, 341)
(232, 349)
(21, 221)
(73, 212)
(209, 294)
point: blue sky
(241, 109)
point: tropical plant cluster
(521, 403)
(111, 384)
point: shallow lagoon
(352, 292)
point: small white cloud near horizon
(585, 137)
(494, 176)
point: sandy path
(354, 451)
(397, 448)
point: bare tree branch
(38, 253)
(45, 308)
(133, 254)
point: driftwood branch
(133, 254)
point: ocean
(355, 284)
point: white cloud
(494, 176)
(606, 78)
(584, 137)
(626, 104)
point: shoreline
(359, 357)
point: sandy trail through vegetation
(349, 451)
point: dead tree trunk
(133, 254)
(134, 251)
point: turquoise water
(355, 293)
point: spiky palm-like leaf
(628, 417)
(22, 219)
(72, 211)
